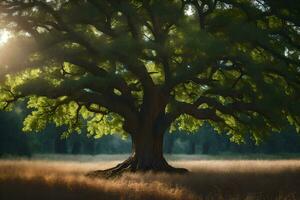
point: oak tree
(141, 68)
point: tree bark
(147, 151)
(147, 140)
(147, 155)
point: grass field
(62, 177)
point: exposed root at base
(132, 165)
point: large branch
(193, 110)
(229, 108)
(133, 65)
(86, 91)
(112, 102)
(188, 74)
(64, 26)
(179, 108)
(138, 69)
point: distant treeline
(14, 142)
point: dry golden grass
(209, 179)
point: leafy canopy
(98, 64)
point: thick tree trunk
(147, 140)
(147, 155)
(147, 150)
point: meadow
(62, 177)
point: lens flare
(4, 36)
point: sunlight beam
(4, 36)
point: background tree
(11, 142)
(142, 67)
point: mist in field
(63, 177)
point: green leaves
(186, 123)
(100, 125)
(61, 112)
(77, 61)
(66, 113)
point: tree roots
(132, 164)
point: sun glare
(189, 10)
(4, 36)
